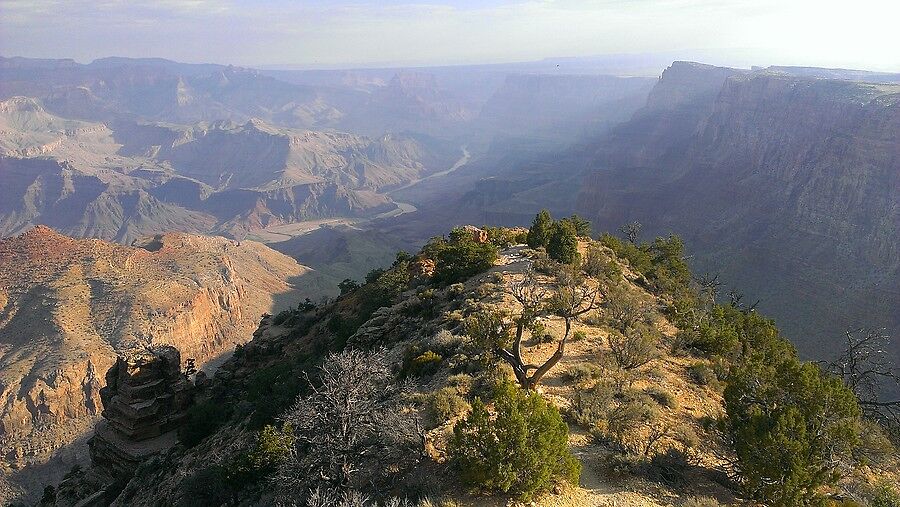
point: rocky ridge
(69, 307)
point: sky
(862, 34)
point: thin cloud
(321, 32)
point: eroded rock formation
(145, 399)
(69, 307)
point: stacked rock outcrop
(145, 399)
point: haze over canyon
(148, 203)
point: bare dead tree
(633, 348)
(736, 300)
(350, 423)
(631, 231)
(867, 369)
(709, 286)
(571, 298)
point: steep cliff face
(683, 96)
(788, 186)
(69, 307)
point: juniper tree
(541, 228)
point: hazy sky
(857, 33)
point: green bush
(661, 262)
(445, 343)
(538, 329)
(282, 317)
(715, 332)
(271, 390)
(563, 244)
(581, 226)
(662, 396)
(788, 421)
(445, 404)
(419, 363)
(634, 348)
(502, 237)
(347, 286)
(885, 495)
(702, 374)
(582, 372)
(206, 486)
(539, 234)
(590, 406)
(272, 446)
(459, 258)
(201, 421)
(521, 450)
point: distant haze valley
(209, 195)
(121, 148)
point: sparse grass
(701, 501)
(662, 396)
(582, 372)
(702, 374)
(445, 404)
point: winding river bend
(283, 232)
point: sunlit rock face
(69, 308)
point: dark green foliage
(460, 258)
(446, 403)
(273, 445)
(271, 390)
(521, 450)
(702, 374)
(661, 262)
(401, 258)
(282, 317)
(563, 244)
(487, 332)
(583, 372)
(633, 348)
(383, 291)
(49, 496)
(885, 495)
(787, 420)
(540, 230)
(202, 420)
(581, 226)
(501, 237)
(207, 486)
(373, 275)
(343, 327)
(669, 468)
(419, 363)
(347, 286)
(599, 265)
(670, 273)
(306, 306)
(716, 331)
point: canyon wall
(787, 185)
(69, 307)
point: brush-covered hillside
(496, 367)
